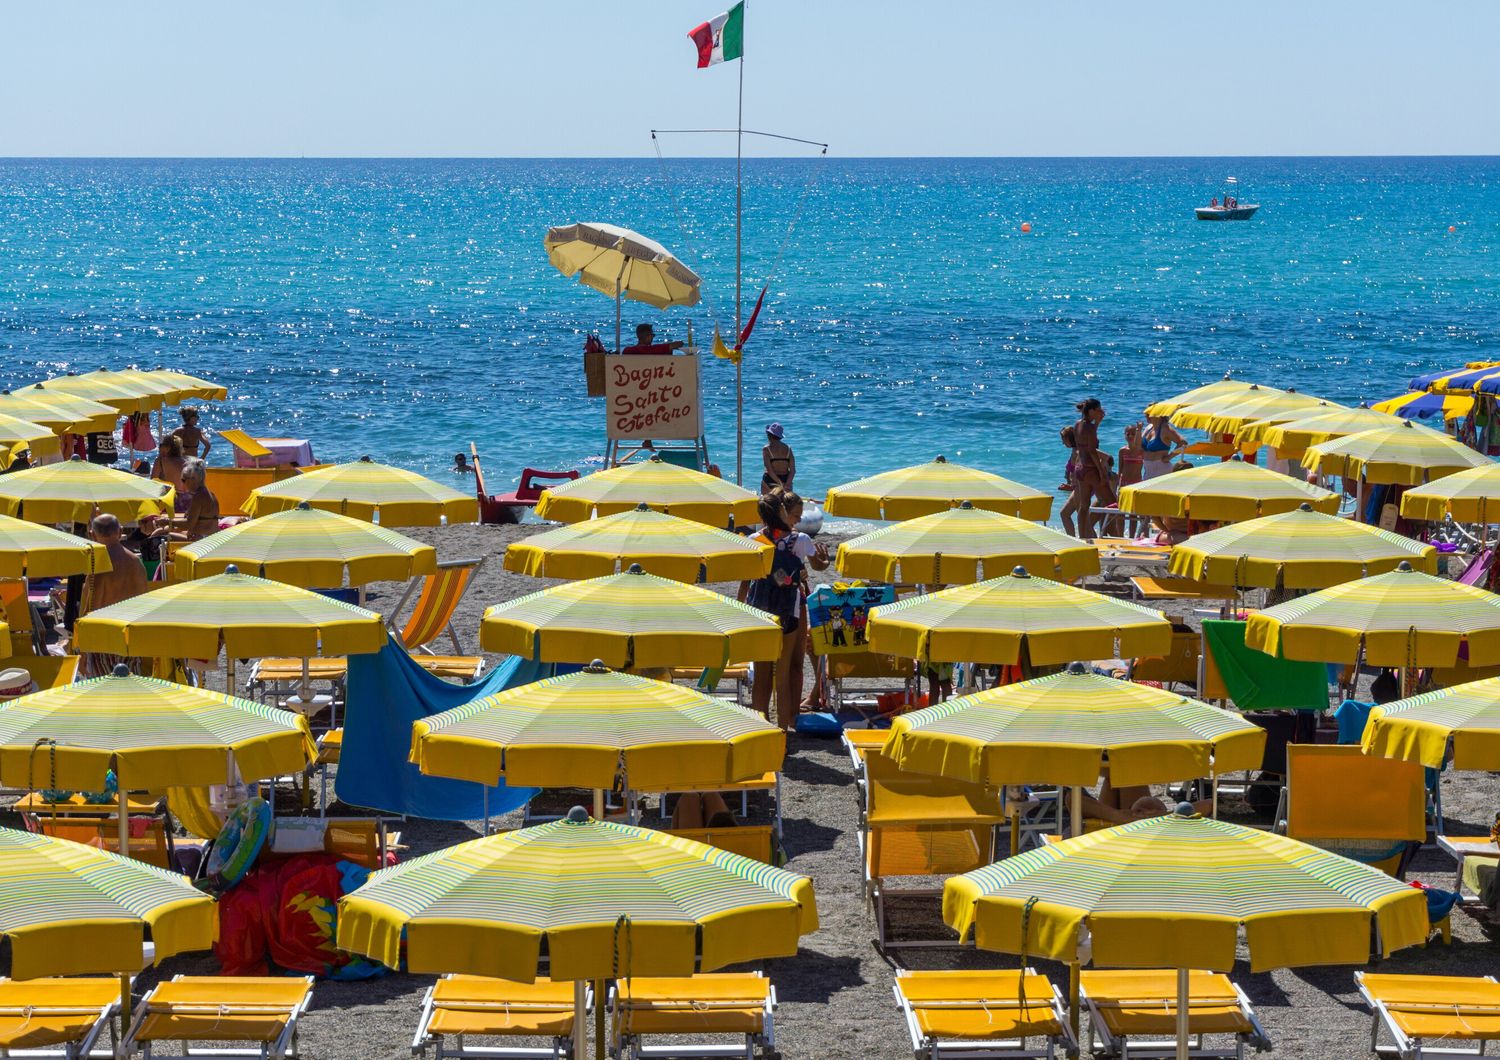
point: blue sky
(591, 77)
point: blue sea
(402, 309)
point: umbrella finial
(1186, 809)
(967, 506)
(303, 506)
(941, 459)
(1304, 507)
(1076, 667)
(577, 815)
(643, 507)
(75, 459)
(121, 670)
(233, 568)
(635, 568)
(1404, 567)
(655, 458)
(596, 667)
(1019, 571)
(366, 459)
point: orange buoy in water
(1453, 228)
(1026, 226)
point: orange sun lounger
(1134, 1013)
(1427, 1016)
(995, 1015)
(252, 1017)
(56, 1017)
(737, 1005)
(459, 1007)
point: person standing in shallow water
(779, 461)
(1090, 474)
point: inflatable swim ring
(239, 842)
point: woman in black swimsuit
(780, 463)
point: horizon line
(706, 158)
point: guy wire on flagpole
(739, 369)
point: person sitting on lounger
(707, 810)
(1133, 803)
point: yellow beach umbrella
(925, 489)
(1463, 720)
(589, 728)
(121, 393)
(369, 491)
(630, 621)
(1301, 549)
(964, 545)
(1016, 617)
(31, 550)
(622, 264)
(1226, 387)
(1176, 892)
(1314, 428)
(1405, 454)
(1471, 496)
(176, 387)
(59, 411)
(663, 545)
(661, 486)
(1227, 414)
(1402, 619)
(17, 434)
(71, 492)
(1222, 493)
(310, 548)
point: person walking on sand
(779, 461)
(1090, 473)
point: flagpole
(739, 372)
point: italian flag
(722, 38)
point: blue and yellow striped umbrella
(1465, 380)
(606, 900)
(1422, 405)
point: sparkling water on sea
(404, 308)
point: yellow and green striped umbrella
(31, 550)
(251, 617)
(1227, 414)
(1175, 891)
(996, 621)
(1471, 496)
(176, 387)
(630, 621)
(71, 909)
(664, 545)
(369, 491)
(1403, 618)
(1223, 493)
(1061, 729)
(964, 545)
(17, 433)
(1318, 426)
(70, 492)
(661, 486)
(606, 900)
(152, 733)
(1302, 549)
(310, 548)
(925, 489)
(585, 729)
(1422, 728)
(59, 411)
(121, 393)
(1225, 387)
(1406, 454)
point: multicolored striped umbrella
(176, 387)
(70, 909)
(926, 489)
(17, 433)
(1423, 728)
(152, 733)
(1225, 387)
(607, 900)
(1406, 454)
(369, 491)
(1420, 405)
(31, 550)
(251, 617)
(121, 393)
(70, 492)
(310, 548)
(964, 545)
(1227, 414)
(995, 621)
(1302, 549)
(1471, 496)
(585, 729)
(61, 412)
(1320, 425)
(1174, 892)
(1403, 619)
(664, 545)
(630, 621)
(1226, 492)
(1060, 729)
(1465, 380)
(661, 486)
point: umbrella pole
(306, 690)
(580, 1018)
(598, 804)
(617, 310)
(125, 1000)
(1182, 1014)
(1077, 810)
(599, 1053)
(486, 789)
(123, 813)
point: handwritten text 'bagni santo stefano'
(653, 397)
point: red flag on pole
(750, 324)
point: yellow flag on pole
(723, 352)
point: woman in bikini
(200, 517)
(779, 461)
(1160, 445)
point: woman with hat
(780, 463)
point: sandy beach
(835, 995)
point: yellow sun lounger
(739, 1005)
(56, 1017)
(1134, 1013)
(252, 1017)
(460, 1007)
(982, 1015)
(1427, 1016)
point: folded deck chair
(1134, 1013)
(1427, 1016)
(150, 840)
(459, 1007)
(1338, 798)
(966, 1015)
(251, 1017)
(915, 825)
(56, 1017)
(737, 1005)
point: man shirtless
(126, 576)
(195, 440)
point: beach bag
(593, 365)
(778, 592)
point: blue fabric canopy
(387, 692)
